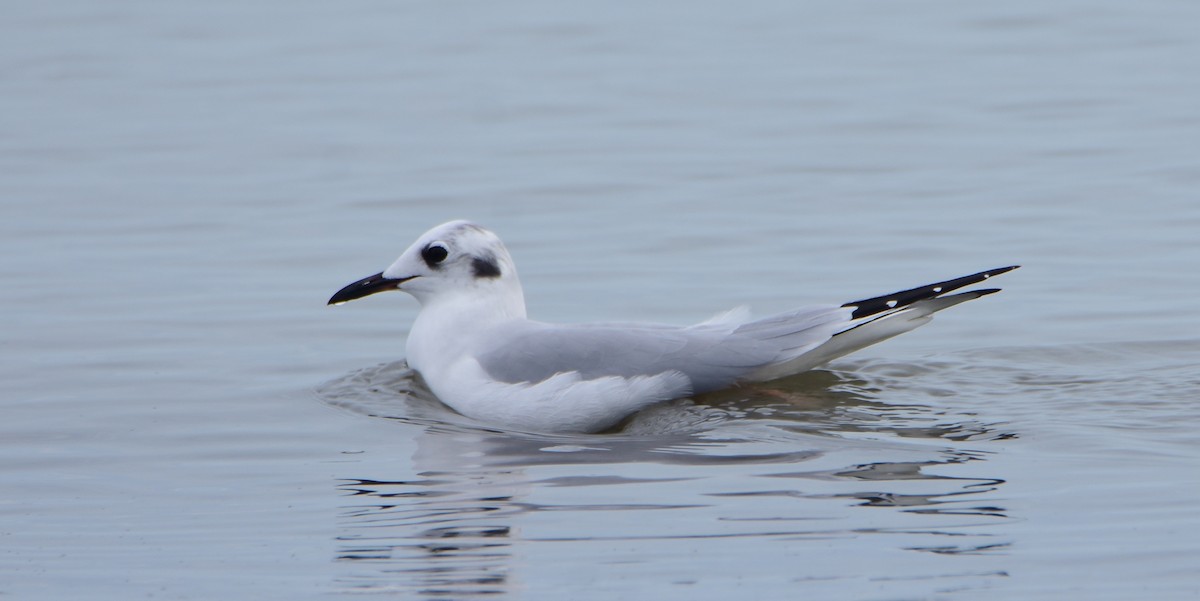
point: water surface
(185, 185)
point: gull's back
(711, 355)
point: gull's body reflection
(449, 531)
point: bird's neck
(448, 326)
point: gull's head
(451, 260)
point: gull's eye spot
(434, 253)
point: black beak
(366, 287)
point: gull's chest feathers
(448, 331)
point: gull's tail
(876, 319)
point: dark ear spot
(485, 267)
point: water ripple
(907, 443)
(464, 526)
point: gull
(478, 352)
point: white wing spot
(891, 304)
(937, 288)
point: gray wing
(716, 354)
(531, 352)
(713, 356)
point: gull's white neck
(452, 321)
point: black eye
(434, 253)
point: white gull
(478, 352)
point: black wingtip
(903, 298)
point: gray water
(185, 184)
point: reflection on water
(791, 462)
(441, 534)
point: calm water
(184, 185)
